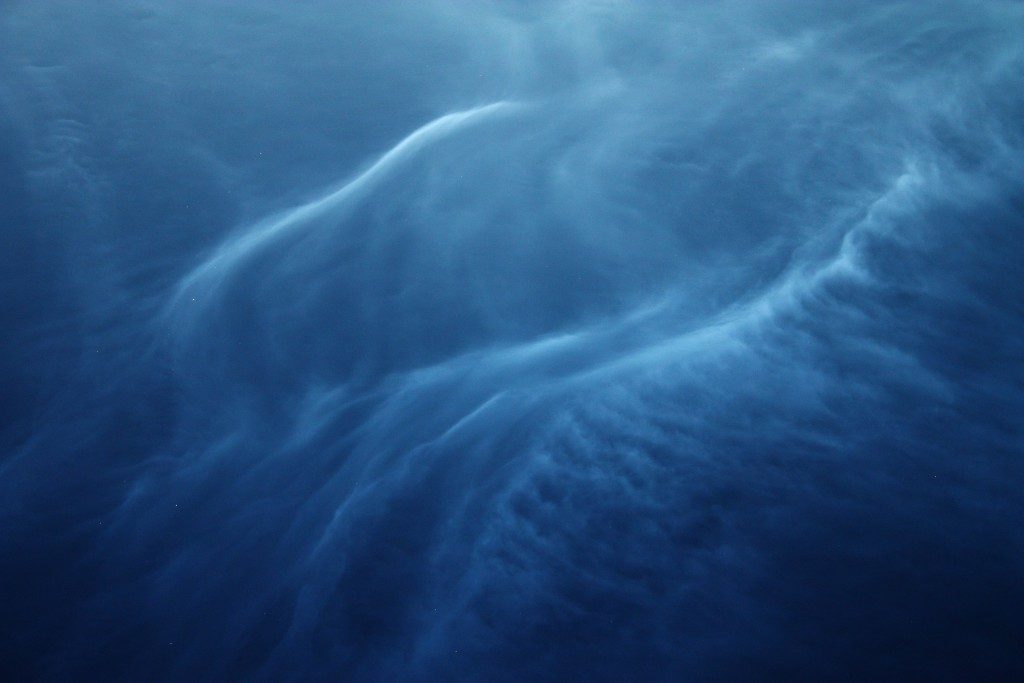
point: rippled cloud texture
(505, 341)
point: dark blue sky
(544, 340)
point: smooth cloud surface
(537, 340)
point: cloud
(529, 341)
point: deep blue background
(503, 341)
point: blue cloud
(524, 341)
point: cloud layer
(512, 341)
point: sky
(511, 340)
